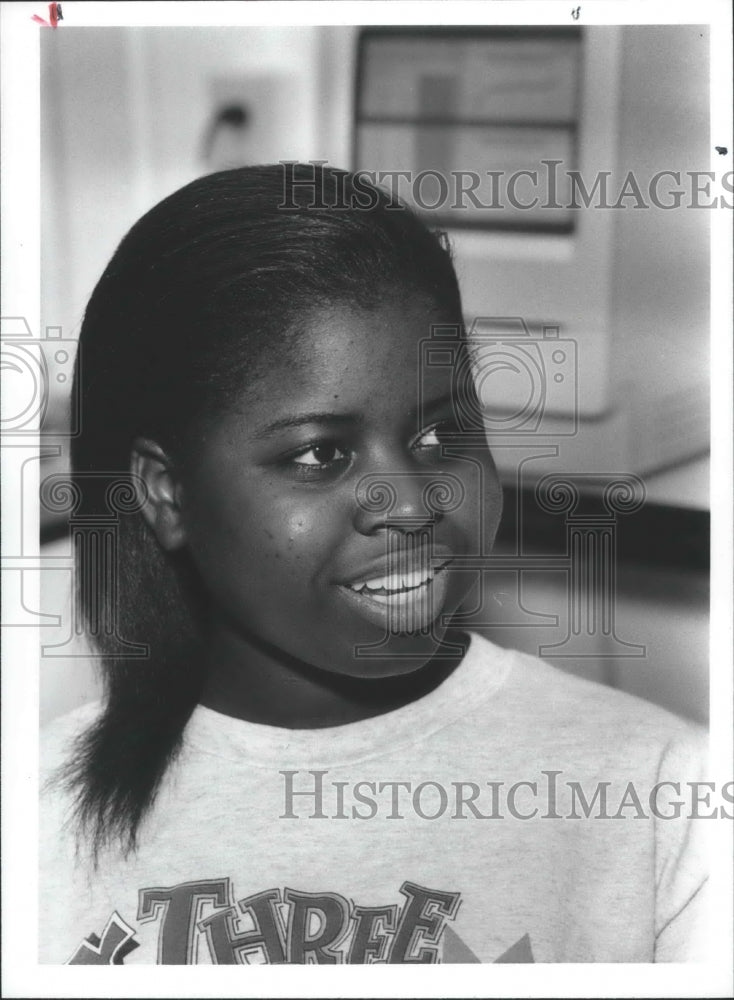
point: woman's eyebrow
(431, 405)
(286, 423)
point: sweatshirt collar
(479, 675)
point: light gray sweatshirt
(514, 814)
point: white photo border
(22, 975)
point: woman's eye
(435, 436)
(429, 439)
(320, 456)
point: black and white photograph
(367, 498)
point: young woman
(312, 763)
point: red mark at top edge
(54, 14)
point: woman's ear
(161, 504)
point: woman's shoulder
(539, 690)
(57, 737)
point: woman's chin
(402, 653)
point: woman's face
(282, 499)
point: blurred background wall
(131, 114)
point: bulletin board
(494, 101)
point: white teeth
(404, 581)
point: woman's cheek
(309, 521)
(299, 525)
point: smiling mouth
(407, 602)
(384, 588)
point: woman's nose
(405, 500)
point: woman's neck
(257, 683)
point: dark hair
(172, 333)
